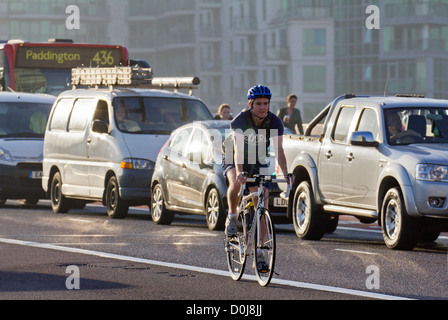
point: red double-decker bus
(46, 67)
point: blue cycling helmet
(259, 91)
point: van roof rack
(409, 95)
(133, 76)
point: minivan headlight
(5, 155)
(432, 172)
(141, 164)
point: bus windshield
(42, 80)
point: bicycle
(254, 227)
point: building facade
(317, 49)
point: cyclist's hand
(241, 177)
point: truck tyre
(308, 218)
(117, 208)
(400, 231)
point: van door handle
(184, 166)
(89, 140)
(350, 157)
(329, 154)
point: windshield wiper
(23, 135)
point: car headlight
(5, 155)
(141, 164)
(432, 172)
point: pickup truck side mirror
(100, 126)
(363, 138)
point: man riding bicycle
(251, 130)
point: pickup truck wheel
(308, 218)
(400, 231)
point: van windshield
(23, 119)
(157, 115)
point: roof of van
(123, 92)
(6, 96)
(396, 101)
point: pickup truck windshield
(23, 119)
(416, 125)
(157, 115)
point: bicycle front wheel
(264, 248)
(235, 249)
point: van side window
(82, 111)
(342, 126)
(101, 112)
(60, 115)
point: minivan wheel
(400, 231)
(159, 213)
(117, 208)
(214, 211)
(308, 218)
(59, 203)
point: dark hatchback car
(188, 177)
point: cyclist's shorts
(251, 169)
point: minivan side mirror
(100, 126)
(363, 138)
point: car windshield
(416, 125)
(20, 119)
(157, 115)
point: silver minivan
(102, 144)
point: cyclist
(251, 130)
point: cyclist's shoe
(230, 227)
(262, 266)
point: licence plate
(35, 175)
(279, 202)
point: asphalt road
(83, 255)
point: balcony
(245, 25)
(417, 12)
(277, 55)
(418, 46)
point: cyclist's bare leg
(232, 191)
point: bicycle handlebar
(268, 178)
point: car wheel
(59, 203)
(400, 231)
(214, 210)
(117, 208)
(308, 218)
(159, 213)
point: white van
(23, 118)
(102, 144)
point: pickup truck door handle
(329, 154)
(350, 157)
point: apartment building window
(314, 79)
(314, 42)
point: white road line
(355, 251)
(290, 283)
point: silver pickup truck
(379, 159)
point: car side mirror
(100, 126)
(363, 138)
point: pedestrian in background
(291, 116)
(224, 112)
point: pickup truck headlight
(432, 172)
(141, 164)
(5, 155)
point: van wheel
(159, 213)
(59, 203)
(214, 211)
(117, 208)
(308, 218)
(400, 231)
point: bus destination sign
(67, 57)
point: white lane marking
(355, 251)
(80, 220)
(290, 283)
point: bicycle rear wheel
(236, 255)
(264, 257)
